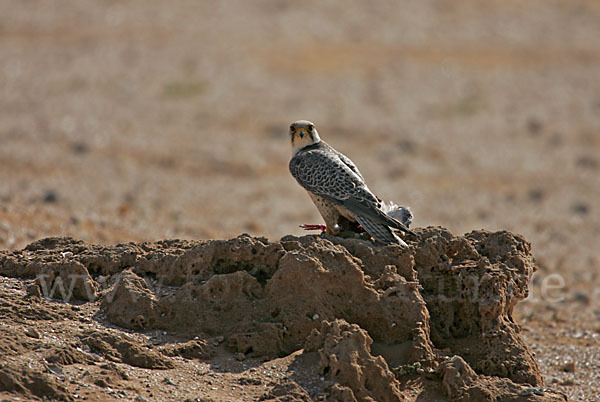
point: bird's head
(302, 134)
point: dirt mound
(386, 323)
(31, 383)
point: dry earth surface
(307, 318)
(143, 120)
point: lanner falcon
(337, 187)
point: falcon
(338, 189)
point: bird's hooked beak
(301, 132)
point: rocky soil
(305, 318)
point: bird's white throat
(300, 143)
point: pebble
(33, 333)
(534, 126)
(33, 290)
(532, 391)
(581, 297)
(569, 367)
(168, 381)
(80, 148)
(54, 369)
(50, 197)
(580, 208)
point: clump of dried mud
(367, 321)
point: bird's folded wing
(324, 174)
(350, 164)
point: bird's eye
(311, 128)
(292, 129)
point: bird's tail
(380, 232)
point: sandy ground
(139, 120)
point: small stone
(567, 383)
(140, 398)
(168, 381)
(240, 356)
(54, 369)
(538, 391)
(532, 391)
(315, 317)
(80, 148)
(50, 197)
(220, 339)
(32, 333)
(101, 382)
(34, 290)
(569, 367)
(536, 194)
(580, 208)
(581, 297)
(534, 126)
(588, 161)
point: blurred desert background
(143, 120)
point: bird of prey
(337, 187)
